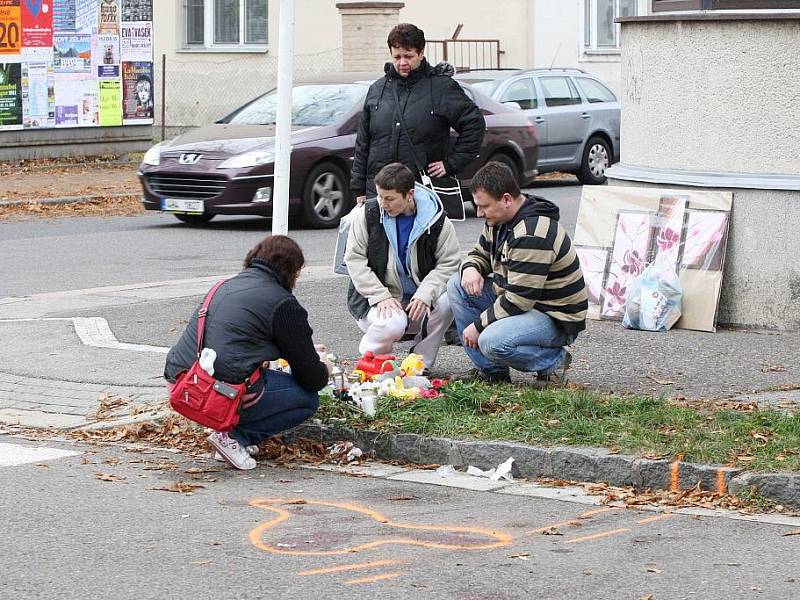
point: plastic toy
(371, 364)
(412, 365)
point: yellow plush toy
(412, 365)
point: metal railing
(465, 54)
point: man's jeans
(528, 342)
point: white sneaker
(231, 451)
(251, 450)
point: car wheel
(596, 159)
(510, 163)
(326, 196)
(195, 219)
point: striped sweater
(533, 266)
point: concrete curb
(571, 463)
(65, 200)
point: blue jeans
(528, 342)
(282, 405)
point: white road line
(95, 332)
(12, 455)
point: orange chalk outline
(372, 579)
(502, 539)
(656, 518)
(353, 567)
(595, 536)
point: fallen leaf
(650, 597)
(107, 477)
(773, 369)
(202, 562)
(42, 465)
(295, 502)
(521, 556)
(654, 570)
(793, 532)
(197, 471)
(401, 498)
(180, 487)
(552, 531)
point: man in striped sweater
(519, 296)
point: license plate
(188, 206)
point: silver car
(575, 114)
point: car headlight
(248, 159)
(153, 156)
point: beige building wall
(695, 101)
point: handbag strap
(201, 316)
(201, 326)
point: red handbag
(200, 397)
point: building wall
(695, 101)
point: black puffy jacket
(252, 318)
(432, 102)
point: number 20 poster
(10, 27)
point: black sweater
(253, 318)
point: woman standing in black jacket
(430, 101)
(254, 318)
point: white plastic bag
(653, 302)
(339, 266)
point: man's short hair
(495, 179)
(395, 176)
(406, 35)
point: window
(600, 32)
(594, 90)
(559, 91)
(523, 92)
(226, 23)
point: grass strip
(755, 439)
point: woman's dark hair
(395, 176)
(406, 35)
(281, 252)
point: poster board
(620, 230)
(62, 63)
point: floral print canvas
(629, 256)
(593, 264)
(671, 215)
(706, 233)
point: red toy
(371, 364)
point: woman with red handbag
(254, 318)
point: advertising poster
(37, 30)
(38, 96)
(137, 91)
(109, 16)
(110, 103)
(72, 53)
(10, 29)
(136, 41)
(63, 15)
(77, 100)
(105, 56)
(10, 96)
(137, 10)
(87, 19)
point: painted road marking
(495, 539)
(353, 567)
(373, 579)
(12, 455)
(96, 333)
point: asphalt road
(94, 525)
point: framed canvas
(632, 240)
(705, 240)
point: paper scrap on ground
(503, 471)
